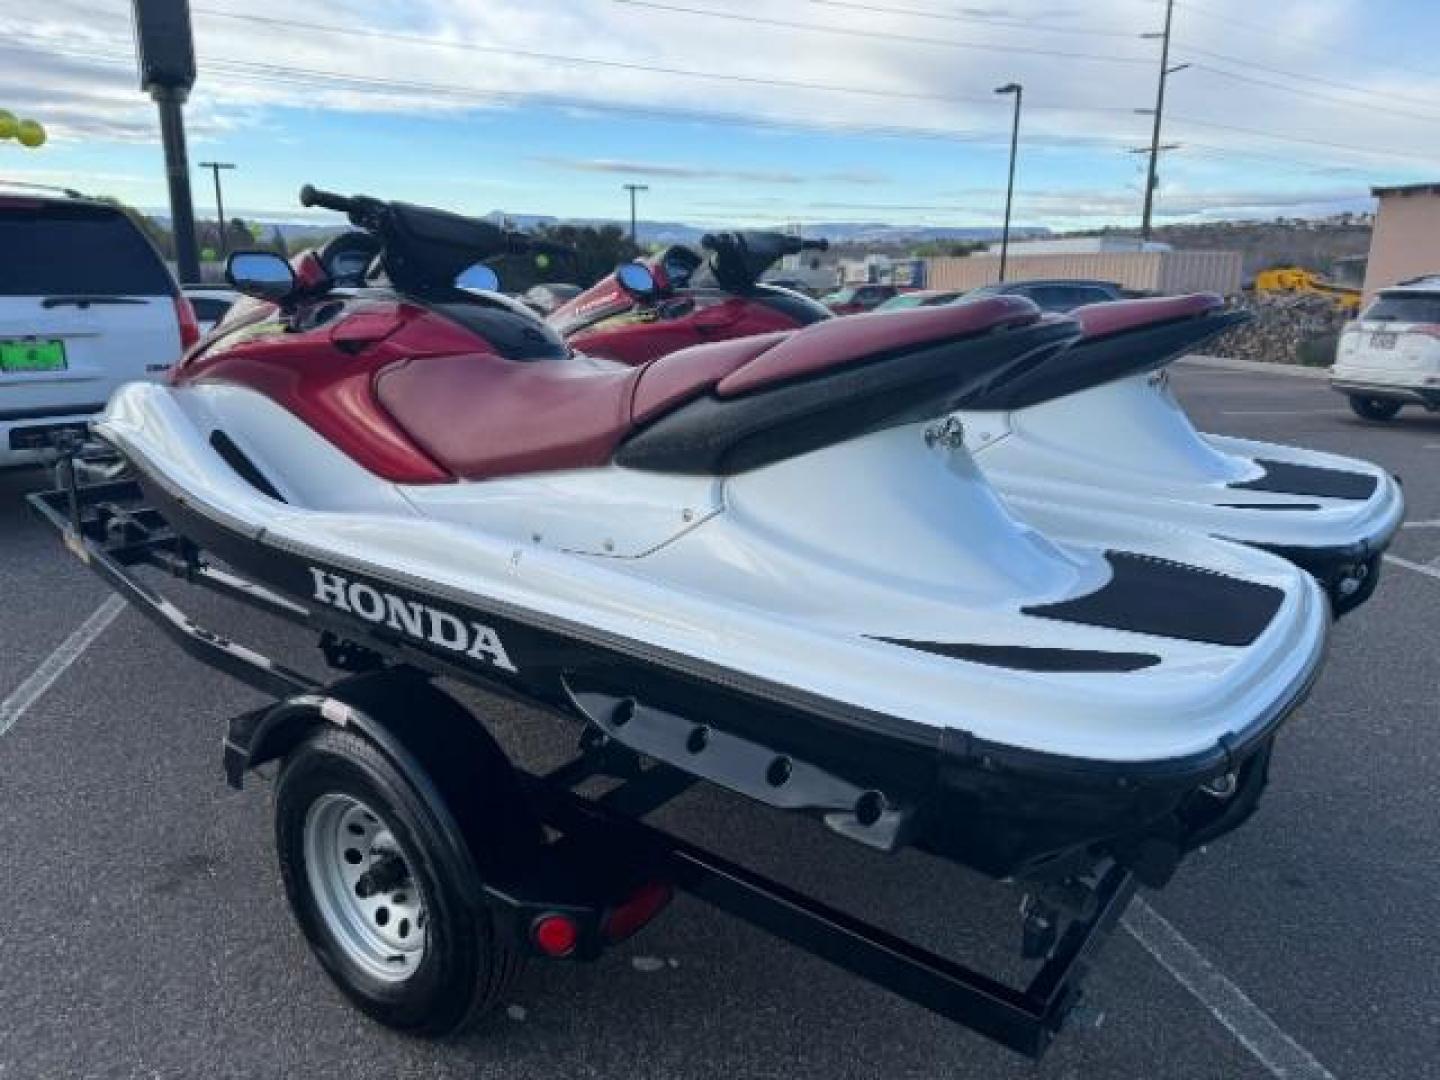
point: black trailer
(424, 866)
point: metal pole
(633, 189)
(1019, 92)
(1159, 115)
(169, 101)
(215, 167)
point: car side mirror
(262, 275)
(636, 280)
(479, 277)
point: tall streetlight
(1155, 148)
(215, 167)
(1019, 92)
(634, 189)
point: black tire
(466, 966)
(1373, 408)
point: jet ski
(769, 562)
(1092, 429)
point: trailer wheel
(384, 890)
(1373, 408)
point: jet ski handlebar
(424, 248)
(738, 259)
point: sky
(770, 112)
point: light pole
(1019, 92)
(1155, 148)
(633, 189)
(215, 167)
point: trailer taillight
(555, 935)
(189, 325)
(643, 905)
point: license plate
(1383, 340)
(32, 354)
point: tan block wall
(1406, 241)
(1157, 271)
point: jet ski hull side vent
(1287, 478)
(1031, 658)
(246, 469)
(1147, 595)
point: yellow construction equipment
(1296, 279)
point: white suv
(1390, 355)
(86, 303)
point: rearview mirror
(636, 279)
(261, 274)
(479, 277)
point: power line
(239, 70)
(625, 65)
(997, 21)
(1193, 50)
(872, 35)
(1315, 95)
(1318, 50)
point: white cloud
(72, 64)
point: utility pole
(215, 167)
(633, 189)
(1019, 92)
(1155, 148)
(165, 51)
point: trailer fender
(441, 747)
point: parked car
(1058, 294)
(86, 304)
(857, 298)
(211, 302)
(920, 298)
(793, 284)
(1390, 356)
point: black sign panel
(164, 45)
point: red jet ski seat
(1121, 338)
(484, 416)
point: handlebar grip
(710, 241)
(815, 245)
(313, 196)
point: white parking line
(1277, 412)
(1271, 1046)
(58, 662)
(1419, 568)
(1421, 525)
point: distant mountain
(659, 232)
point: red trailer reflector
(643, 905)
(555, 935)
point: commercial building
(1406, 240)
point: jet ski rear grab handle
(111, 529)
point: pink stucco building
(1406, 241)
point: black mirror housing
(262, 275)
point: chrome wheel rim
(364, 890)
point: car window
(1064, 297)
(868, 293)
(844, 296)
(55, 249)
(1415, 307)
(208, 309)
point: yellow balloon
(8, 124)
(30, 133)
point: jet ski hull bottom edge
(884, 781)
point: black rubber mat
(1028, 658)
(1147, 595)
(1285, 478)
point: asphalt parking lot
(145, 934)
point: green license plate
(32, 355)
